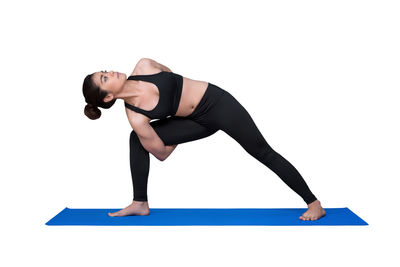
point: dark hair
(94, 98)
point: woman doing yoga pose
(186, 110)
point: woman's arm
(149, 138)
(168, 151)
(153, 64)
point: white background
(320, 79)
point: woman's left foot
(314, 212)
(140, 208)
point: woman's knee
(268, 156)
(265, 153)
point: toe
(115, 214)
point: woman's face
(112, 82)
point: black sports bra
(169, 86)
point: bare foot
(314, 212)
(136, 208)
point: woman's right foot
(136, 208)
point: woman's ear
(108, 98)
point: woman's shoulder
(136, 117)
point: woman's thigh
(178, 130)
(232, 118)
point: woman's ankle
(139, 202)
(315, 202)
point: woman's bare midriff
(192, 92)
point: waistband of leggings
(212, 94)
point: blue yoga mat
(161, 217)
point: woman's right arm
(169, 150)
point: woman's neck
(129, 92)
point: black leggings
(217, 110)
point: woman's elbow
(158, 155)
(159, 158)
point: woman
(187, 110)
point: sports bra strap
(133, 107)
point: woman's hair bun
(92, 112)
